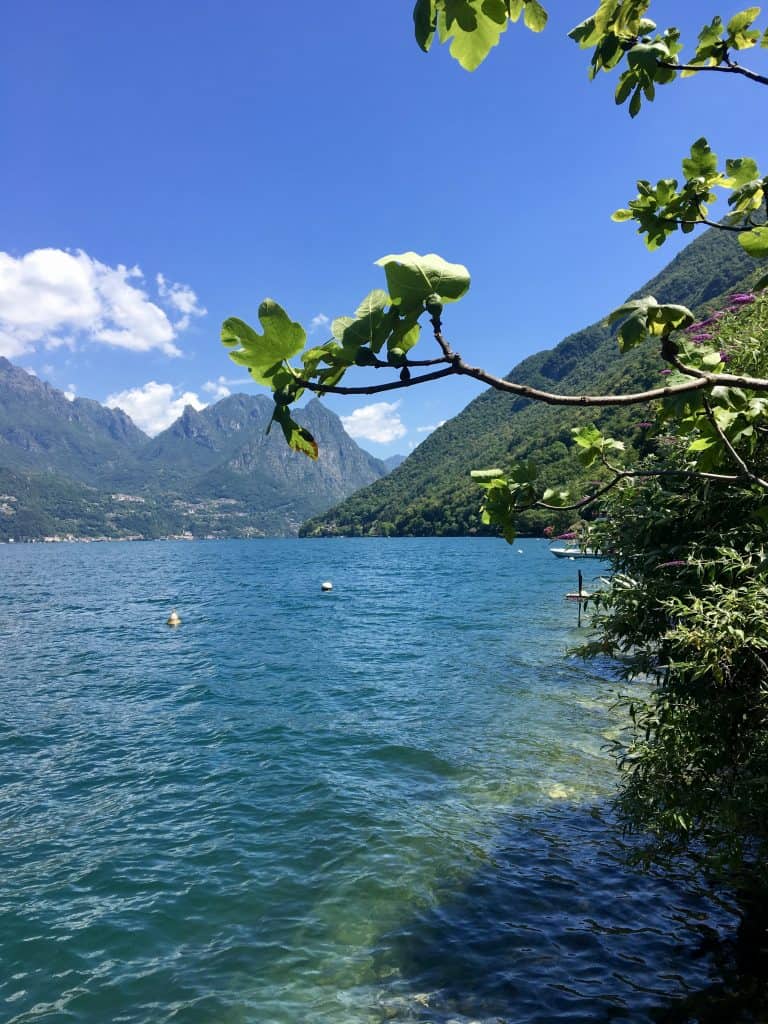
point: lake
(383, 803)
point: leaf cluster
(383, 330)
(662, 209)
(473, 27)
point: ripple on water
(382, 803)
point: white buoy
(174, 619)
(327, 585)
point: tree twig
(625, 474)
(735, 457)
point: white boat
(573, 551)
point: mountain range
(432, 493)
(79, 468)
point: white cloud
(70, 393)
(218, 388)
(182, 298)
(321, 320)
(378, 422)
(153, 407)
(429, 427)
(52, 297)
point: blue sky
(178, 162)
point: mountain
(41, 430)
(432, 493)
(223, 453)
(78, 468)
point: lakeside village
(9, 508)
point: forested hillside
(432, 493)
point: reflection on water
(383, 803)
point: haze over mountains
(432, 493)
(79, 468)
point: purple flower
(742, 298)
(724, 357)
(644, 424)
(698, 338)
(703, 323)
(566, 536)
(665, 373)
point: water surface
(386, 803)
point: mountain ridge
(76, 467)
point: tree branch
(374, 389)
(701, 381)
(730, 68)
(585, 401)
(709, 223)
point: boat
(573, 551)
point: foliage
(686, 610)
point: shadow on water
(559, 926)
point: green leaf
(237, 332)
(740, 37)
(299, 438)
(411, 278)
(755, 241)
(711, 360)
(633, 306)
(702, 162)
(515, 8)
(761, 284)
(535, 16)
(741, 171)
(482, 475)
(586, 437)
(701, 444)
(424, 18)
(554, 497)
(370, 325)
(472, 32)
(671, 315)
(263, 353)
(339, 326)
(621, 215)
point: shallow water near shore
(382, 803)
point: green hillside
(431, 492)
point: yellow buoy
(174, 619)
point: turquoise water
(385, 803)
